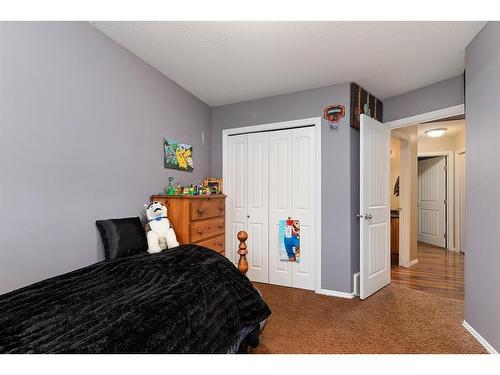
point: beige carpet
(394, 320)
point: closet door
(236, 190)
(258, 207)
(280, 201)
(303, 204)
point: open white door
(375, 256)
(432, 201)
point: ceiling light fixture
(433, 133)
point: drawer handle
(221, 226)
(200, 210)
(221, 208)
(200, 231)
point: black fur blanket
(185, 300)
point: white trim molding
(490, 349)
(356, 283)
(316, 122)
(413, 262)
(334, 293)
(404, 201)
(428, 116)
(459, 246)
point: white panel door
(280, 201)
(258, 207)
(375, 257)
(236, 191)
(303, 204)
(431, 201)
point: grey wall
(81, 127)
(482, 190)
(337, 162)
(439, 95)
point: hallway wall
(482, 203)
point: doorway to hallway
(437, 272)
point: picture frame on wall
(362, 102)
(177, 155)
(214, 184)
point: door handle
(368, 216)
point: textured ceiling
(228, 62)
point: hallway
(438, 271)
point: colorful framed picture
(177, 155)
(362, 102)
(214, 184)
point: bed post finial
(242, 251)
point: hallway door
(432, 201)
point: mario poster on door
(289, 235)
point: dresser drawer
(206, 228)
(206, 208)
(215, 244)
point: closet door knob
(200, 210)
(200, 231)
(248, 216)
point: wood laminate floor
(438, 271)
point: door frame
(404, 249)
(404, 199)
(450, 197)
(458, 202)
(314, 121)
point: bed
(186, 300)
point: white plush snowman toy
(161, 235)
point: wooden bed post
(242, 251)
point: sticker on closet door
(289, 236)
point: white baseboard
(413, 262)
(356, 284)
(408, 264)
(479, 338)
(334, 293)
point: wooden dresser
(197, 219)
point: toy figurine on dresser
(160, 235)
(170, 189)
